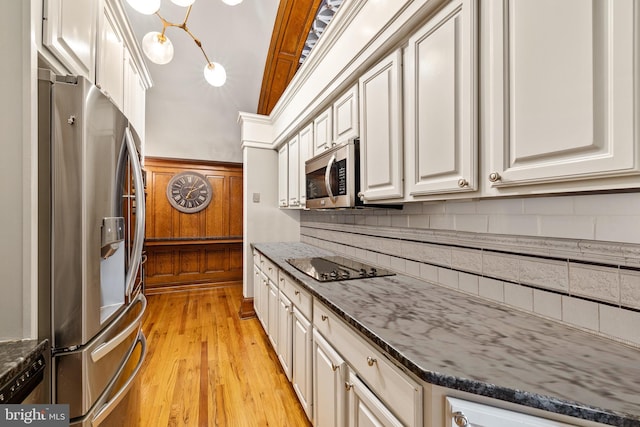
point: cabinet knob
(323, 317)
(296, 292)
(282, 279)
(348, 386)
(460, 419)
(371, 360)
(463, 183)
(361, 196)
(494, 177)
(334, 367)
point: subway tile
(371, 256)
(471, 223)
(544, 273)
(412, 208)
(500, 206)
(441, 222)
(360, 220)
(350, 251)
(568, 226)
(523, 225)
(433, 254)
(468, 283)
(412, 268)
(562, 205)
(630, 288)
(448, 277)
(618, 228)
(620, 323)
(399, 220)
(384, 221)
(615, 204)
(491, 288)
(361, 254)
(429, 272)
(580, 313)
(398, 264)
(418, 221)
(433, 208)
(500, 266)
(518, 296)
(460, 207)
(467, 260)
(601, 283)
(384, 260)
(547, 304)
(371, 220)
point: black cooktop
(334, 268)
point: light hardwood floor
(207, 367)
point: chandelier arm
(198, 43)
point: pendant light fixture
(159, 49)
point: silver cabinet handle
(460, 419)
(371, 360)
(494, 177)
(323, 317)
(463, 183)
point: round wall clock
(189, 192)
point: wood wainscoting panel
(197, 248)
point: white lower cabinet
(285, 328)
(329, 378)
(364, 409)
(462, 413)
(272, 323)
(302, 342)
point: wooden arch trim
(292, 25)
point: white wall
(18, 172)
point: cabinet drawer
(399, 392)
(269, 269)
(298, 296)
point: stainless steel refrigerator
(90, 236)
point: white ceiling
(186, 117)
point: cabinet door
(69, 32)
(283, 176)
(345, 116)
(110, 67)
(302, 360)
(365, 409)
(381, 130)
(262, 293)
(479, 415)
(306, 152)
(257, 289)
(272, 323)
(329, 377)
(285, 330)
(134, 95)
(440, 88)
(322, 129)
(561, 90)
(294, 172)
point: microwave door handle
(327, 178)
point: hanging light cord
(183, 26)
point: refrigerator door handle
(140, 212)
(105, 348)
(109, 406)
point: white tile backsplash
(548, 205)
(595, 282)
(500, 265)
(526, 225)
(618, 228)
(544, 273)
(568, 226)
(620, 323)
(491, 288)
(448, 277)
(518, 296)
(580, 313)
(547, 304)
(468, 283)
(472, 223)
(466, 260)
(630, 289)
(429, 273)
(620, 204)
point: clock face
(189, 192)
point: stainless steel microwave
(333, 177)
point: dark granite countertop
(455, 340)
(15, 356)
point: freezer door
(84, 376)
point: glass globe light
(184, 3)
(146, 7)
(232, 2)
(157, 47)
(215, 74)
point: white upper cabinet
(283, 176)
(134, 94)
(322, 131)
(110, 66)
(306, 152)
(345, 116)
(381, 130)
(562, 83)
(441, 97)
(69, 32)
(294, 172)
